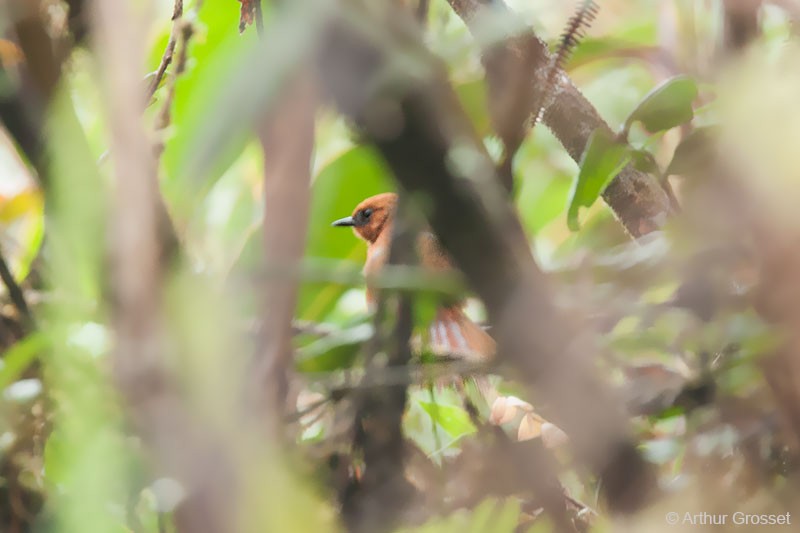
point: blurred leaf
(226, 98)
(24, 214)
(453, 419)
(630, 40)
(694, 151)
(17, 358)
(472, 96)
(357, 174)
(497, 516)
(602, 159)
(666, 106)
(425, 307)
(334, 351)
(643, 160)
(542, 202)
(28, 201)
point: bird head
(371, 216)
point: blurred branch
(23, 104)
(377, 500)
(15, 293)
(287, 141)
(741, 23)
(474, 222)
(78, 20)
(177, 445)
(637, 199)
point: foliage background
(71, 460)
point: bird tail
(453, 333)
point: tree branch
(474, 222)
(173, 436)
(379, 498)
(287, 141)
(637, 199)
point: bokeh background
(133, 229)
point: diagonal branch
(636, 198)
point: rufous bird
(452, 332)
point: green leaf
(17, 358)
(602, 159)
(239, 83)
(22, 220)
(453, 419)
(645, 161)
(666, 106)
(472, 96)
(540, 201)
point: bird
(452, 333)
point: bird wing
(452, 332)
(432, 255)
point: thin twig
(15, 292)
(169, 51)
(185, 31)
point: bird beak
(346, 221)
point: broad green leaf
(602, 159)
(666, 106)
(453, 419)
(356, 174)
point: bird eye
(366, 213)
